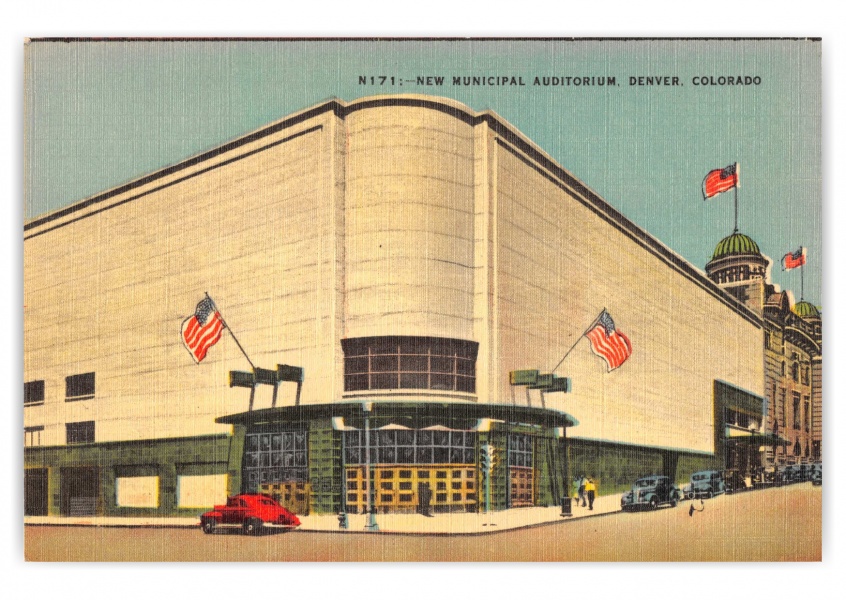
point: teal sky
(99, 114)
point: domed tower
(810, 314)
(738, 267)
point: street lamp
(371, 509)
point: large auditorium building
(407, 254)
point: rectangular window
(137, 492)
(79, 387)
(200, 491)
(807, 415)
(34, 392)
(80, 433)
(32, 435)
(797, 418)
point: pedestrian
(582, 482)
(590, 489)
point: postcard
(423, 300)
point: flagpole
(736, 180)
(802, 275)
(591, 326)
(222, 320)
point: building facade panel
(669, 377)
(409, 223)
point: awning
(757, 439)
(432, 412)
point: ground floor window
(137, 492)
(200, 491)
(520, 470)
(401, 488)
(275, 457)
(410, 446)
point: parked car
(816, 474)
(650, 492)
(705, 484)
(251, 512)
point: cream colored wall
(392, 221)
(409, 224)
(108, 293)
(559, 265)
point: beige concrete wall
(409, 224)
(391, 221)
(108, 293)
(559, 265)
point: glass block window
(411, 446)
(520, 450)
(401, 362)
(275, 457)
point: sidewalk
(441, 523)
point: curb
(563, 521)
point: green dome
(736, 243)
(805, 309)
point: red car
(251, 512)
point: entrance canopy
(407, 414)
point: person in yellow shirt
(590, 490)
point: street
(779, 524)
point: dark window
(32, 435)
(34, 392)
(406, 497)
(80, 433)
(794, 372)
(398, 362)
(440, 497)
(796, 411)
(405, 485)
(807, 415)
(79, 387)
(405, 474)
(456, 497)
(519, 450)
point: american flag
(720, 180)
(605, 341)
(202, 330)
(791, 260)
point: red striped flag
(202, 330)
(720, 180)
(608, 343)
(791, 260)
